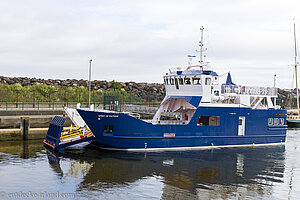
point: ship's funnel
(229, 80)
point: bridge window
(172, 81)
(180, 80)
(187, 81)
(209, 121)
(207, 81)
(196, 81)
(176, 83)
(275, 121)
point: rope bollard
(24, 127)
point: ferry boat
(205, 114)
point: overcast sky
(140, 40)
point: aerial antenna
(201, 45)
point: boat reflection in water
(204, 174)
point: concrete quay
(27, 124)
(36, 121)
(16, 134)
(31, 111)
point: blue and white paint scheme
(205, 114)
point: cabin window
(275, 121)
(207, 81)
(108, 129)
(180, 80)
(176, 83)
(209, 121)
(172, 81)
(270, 121)
(165, 80)
(281, 121)
(240, 122)
(187, 81)
(196, 81)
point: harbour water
(29, 171)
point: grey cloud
(140, 40)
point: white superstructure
(198, 85)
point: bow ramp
(59, 138)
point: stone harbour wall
(144, 89)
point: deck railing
(249, 90)
(139, 109)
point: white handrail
(249, 90)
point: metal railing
(249, 90)
(41, 105)
(121, 107)
(139, 109)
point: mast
(201, 46)
(296, 70)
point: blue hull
(134, 134)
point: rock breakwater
(156, 90)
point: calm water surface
(29, 171)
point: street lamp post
(90, 71)
(275, 80)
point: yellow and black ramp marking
(58, 139)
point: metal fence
(47, 97)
